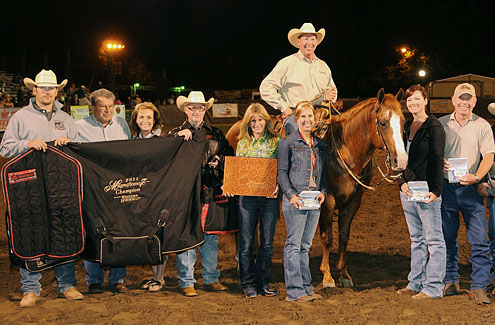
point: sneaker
(451, 289)
(216, 286)
(95, 289)
(71, 294)
(480, 296)
(29, 300)
(119, 288)
(269, 292)
(250, 293)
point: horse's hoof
(328, 284)
(346, 283)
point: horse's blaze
(401, 159)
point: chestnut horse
(352, 138)
(376, 123)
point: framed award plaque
(250, 176)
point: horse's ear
(400, 95)
(380, 96)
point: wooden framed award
(250, 176)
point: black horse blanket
(142, 199)
(43, 195)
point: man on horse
(467, 136)
(299, 77)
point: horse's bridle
(388, 177)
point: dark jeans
(465, 199)
(251, 208)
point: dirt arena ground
(378, 260)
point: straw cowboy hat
(44, 79)
(306, 28)
(195, 97)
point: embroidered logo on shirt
(59, 125)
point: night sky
(220, 44)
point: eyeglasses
(196, 109)
(104, 106)
(45, 88)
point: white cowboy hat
(491, 108)
(195, 97)
(306, 28)
(44, 79)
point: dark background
(226, 44)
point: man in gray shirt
(103, 126)
(30, 128)
(466, 136)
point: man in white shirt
(299, 77)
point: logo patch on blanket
(22, 176)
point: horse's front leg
(326, 218)
(345, 218)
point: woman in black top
(424, 138)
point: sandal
(156, 286)
(146, 284)
(152, 285)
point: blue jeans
(64, 274)
(290, 125)
(96, 274)
(466, 200)
(425, 227)
(301, 227)
(187, 259)
(251, 208)
(490, 202)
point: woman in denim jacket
(301, 167)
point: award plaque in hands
(250, 176)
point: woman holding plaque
(145, 123)
(302, 170)
(257, 139)
(424, 138)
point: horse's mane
(358, 118)
(355, 120)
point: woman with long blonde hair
(258, 140)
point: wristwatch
(476, 178)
